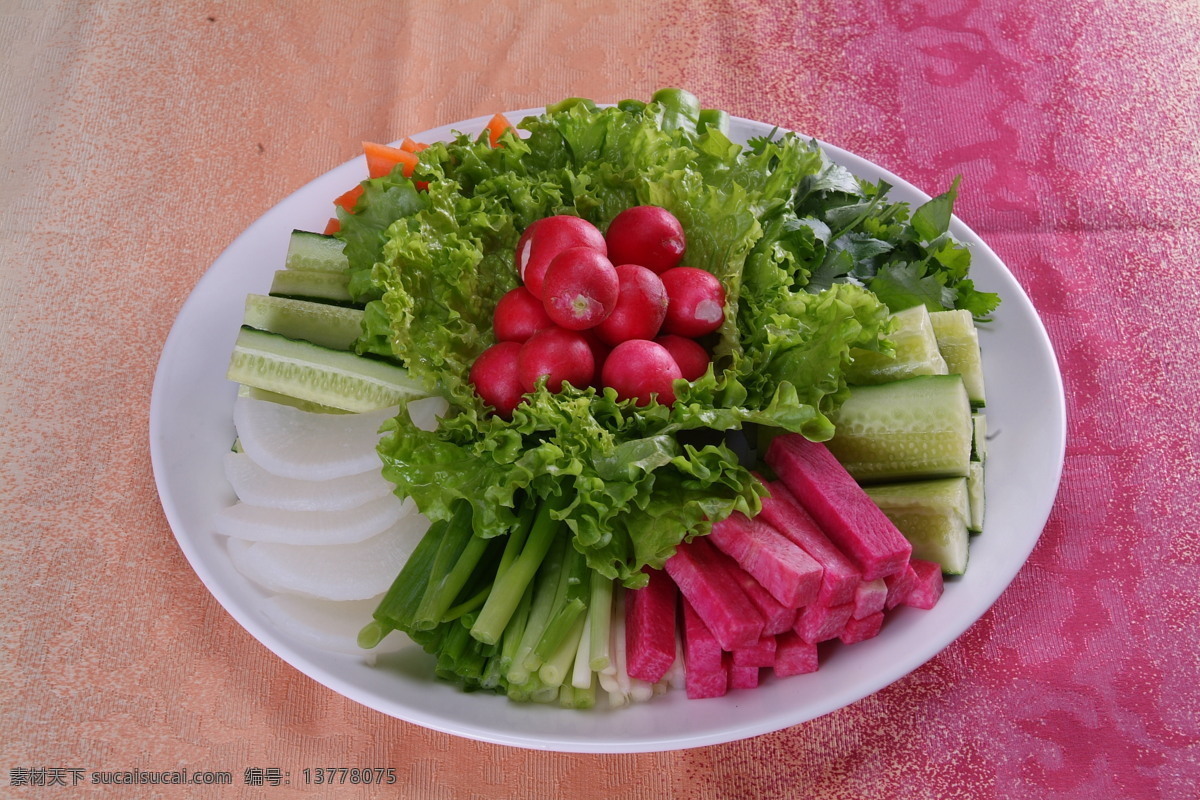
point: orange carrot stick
(496, 126)
(382, 158)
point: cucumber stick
(327, 287)
(285, 400)
(915, 352)
(979, 437)
(933, 516)
(316, 374)
(335, 327)
(910, 429)
(316, 252)
(975, 495)
(958, 341)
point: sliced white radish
(261, 524)
(306, 445)
(332, 572)
(256, 486)
(426, 411)
(327, 624)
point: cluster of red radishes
(610, 309)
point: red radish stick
(791, 575)
(743, 676)
(703, 579)
(650, 627)
(794, 656)
(777, 617)
(817, 624)
(839, 505)
(900, 586)
(705, 673)
(784, 512)
(869, 598)
(929, 584)
(759, 654)
(859, 630)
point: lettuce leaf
(636, 491)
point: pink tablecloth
(140, 138)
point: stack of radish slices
(315, 523)
(613, 309)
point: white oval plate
(191, 428)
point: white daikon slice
(334, 572)
(256, 486)
(291, 443)
(261, 524)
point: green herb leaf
(932, 219)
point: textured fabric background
(138, 138)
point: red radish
(777, 618)
(859, 630)
(519, 315)
(787, 572)
(794, 656)
(559, 355)
(647, 235)
(899, 586)
(784, 512)
(639, 369)
(705, 671)
(929, 584)
(579, 288)
(494, 375)
(600, 351)
(525, 247)
(641, 306)
(700, 573)
(700, 647)
(545, 239)
(650, 627)
(869, 598)
(839, 505)
(819, 623)
(695, 301)
(742, 677)
(759, 654)
(689, 354)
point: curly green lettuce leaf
(635, 493)
(384, 200)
